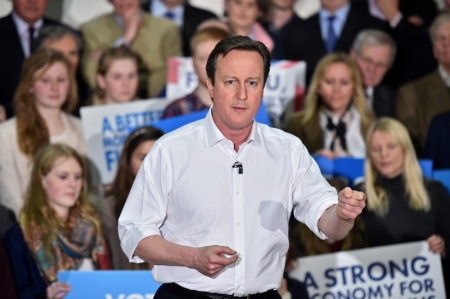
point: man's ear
(210, 87)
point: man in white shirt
(374, 52)
(211, 203)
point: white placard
(286, 82)
(107, 126)
(407, 271)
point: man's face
(332, 5)
(66, 45)
(373, 63)
(441, 44)
(242, 13)
(121, 7)
(238, 89)
(30, 10)
(200, 57)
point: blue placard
(109, 284)
(170, 124)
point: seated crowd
(378, 88)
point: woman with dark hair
(135, 148)
(58, 226)
(46, 95)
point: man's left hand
(350, 204)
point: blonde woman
(336, 116)
(58, 229)
(402, 206)
(46, 95)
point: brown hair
(32, 131)
(104, 64)
(124, 179)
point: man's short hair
(209, 33)
(55, 33)
(239, 43)
(372, 37)
(440, 19)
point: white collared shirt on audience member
(24, 34)
(158, 9)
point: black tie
(31, 39)
(340, 129)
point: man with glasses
(374, 52)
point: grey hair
(54, 33)
(372, 37)
(440, 19)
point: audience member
(8, 285)
(153, 39)
(44, 97)
(134, 150)
(202, 44)
(374, 52)
(69, 43)
(336, 116)
(437, 145)
(401, 206)
(333, 28)
(117, 76)
(407, 22)
(18, 31)
(186, 16)
(58, 229)
(242, 20)
(419, 101)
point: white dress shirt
(338, 23)
(24, 34)
(158, 9)
(356, 147)
(445, 77)
(369, 97)
(187, 192)
(376, 12)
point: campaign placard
(408, 271)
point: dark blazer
(7, 219)
(29, 281)
(383, 101)
(193, 16)
(437, 145)
(309, 46)
(11, 60)
(8, 285)
(418, 103)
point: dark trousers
(173, 291)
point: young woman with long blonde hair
(46, 95)
(59, 228)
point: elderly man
(18, 31)
(186, 16)
(212, 200)
(374, 52)
(421, 100)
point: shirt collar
(158, 9)
(340, 14)
(23, 26)
(213, 134)
(445, 77)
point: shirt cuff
(131, 239)
(398, 17)
(314, 218)
(121, 42)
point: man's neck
(202, 93)
(29, 22)
(238, 136)
(333, 9)
(445, 68)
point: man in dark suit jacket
(188, 20)
(312, 40)
(374, 53)
(26, 17)
(437, 146)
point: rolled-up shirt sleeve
(312, 195)
(146, 206)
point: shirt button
(237, 192)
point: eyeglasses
(380, 65)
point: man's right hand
(211, 260)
